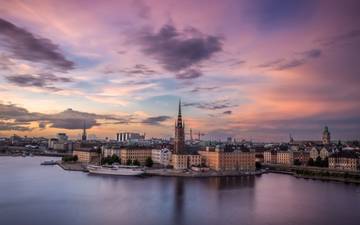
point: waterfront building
(185, 161)
(301, 156)
(135, 153)
(314, 153)
(326, 136)
(285, 158)
(344, 160)
(270, 157)
(227, 159)
(110, 151)
(62, 137)
(87, 155)
(51, 142)
(161, 156)
(324, 153)
(129, 136)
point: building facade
(110, 151)
(314, 153)
(185, 161)
(270, 157)
(161, 156)
(87, 155)
(220, 160)
(139, 154)
(301, 156)
(285, 158)
(344, 160)
(129, 136)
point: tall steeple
(179, 141)
(179, 120)
(84, 136)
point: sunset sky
(252, 69)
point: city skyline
(246, 69)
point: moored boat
(116, 170)
(48, 163)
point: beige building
(220, 160)
(344, 161)
(324, 153)
(314, 153)
(270, 157)
(87, 155)
(285, 158)
(110, 151)
(185, 161)
(140, 154)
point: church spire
(84, 136)
(179, 120)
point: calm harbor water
(33, 194)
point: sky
(254, 70)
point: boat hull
(115, 172)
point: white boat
(116, 170)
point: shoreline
(168, 172)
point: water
(41, 195)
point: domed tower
(179, 142)
(326, 136)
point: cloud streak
(22, 44)
(41, 80)
(177, 51)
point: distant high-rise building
(326, 136)
(179, 141)
(128, 136)
(62, 137)
(84, 136)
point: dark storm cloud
(189, 74)
(203, 89)
(16, 126)
(41, 80)
(156, 120)
(68, 119)
(223, 104)
(22, 44)
(340, 38)
(313, 53)
(300, 59)
(177, 51)
(138, 69)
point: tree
(325, 162)
(129, 162)
(297, 162)
(310, 162)
(115, 159)
(136, 162)
(258, 165)
(149, 162)
(70, 158)
(318, 161)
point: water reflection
(228, 183)
(179, 195)
(32, 194)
